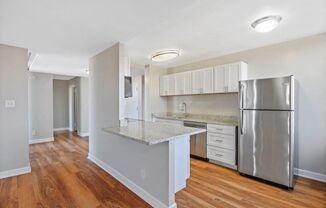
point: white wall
(154, 103)
(14, 149)
(40, 106)
(306, 60)
(60, 104)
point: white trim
(83, 134)
(310, 174)
(129, 184)
(61, 129)
(15, 172)
(36, 141)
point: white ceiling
(65, 34)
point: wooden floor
(63, 177)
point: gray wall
(306, 60)
(40, 106)
(113, 150)
(14, 147)
(60, 104)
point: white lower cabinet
(221, 144)
(221, 154)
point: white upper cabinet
(202, 81)
(219, 79)
(226, 77)
(183, 83)
(167, 85)
(164, 85)
(232, 77)
(171, 84)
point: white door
(233, 77)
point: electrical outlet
(10, 103)
(34, 132)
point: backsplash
(214, 104)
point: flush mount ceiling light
(266, 24)
(165, 55)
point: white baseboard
(61, 129)
(36, 141)
(310, 174)
(15, 172)
(83, 134)
(131, 185)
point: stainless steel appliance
(266, 132)
(198, 142)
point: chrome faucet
(184, 107)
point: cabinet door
(219, 79)
(196, 82)
(202, 81)
(187, 83)
(179, 84)
(207, 80)
(232, 77)
(171, 84)
(164, 84)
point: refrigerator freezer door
(268, 94)
(265, 145)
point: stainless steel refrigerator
(266, 130)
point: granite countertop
(152, 132)
(209, 119)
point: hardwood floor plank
(62, 176)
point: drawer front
(220, 154)
(220, 129)
(221, 140)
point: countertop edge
(194, 120)
(152, 143)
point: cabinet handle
(219, 129)
(218, 155)
(218, 140)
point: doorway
(73, 108)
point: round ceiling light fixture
(266, 24)
(165, 55)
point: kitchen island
(151, 158)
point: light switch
(10, 103)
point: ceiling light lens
(165, 55)
(266, 24)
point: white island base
(151, 163)
(155, 173)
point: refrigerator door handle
(241, 95)
(241, 122)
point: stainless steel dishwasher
(198, 142)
